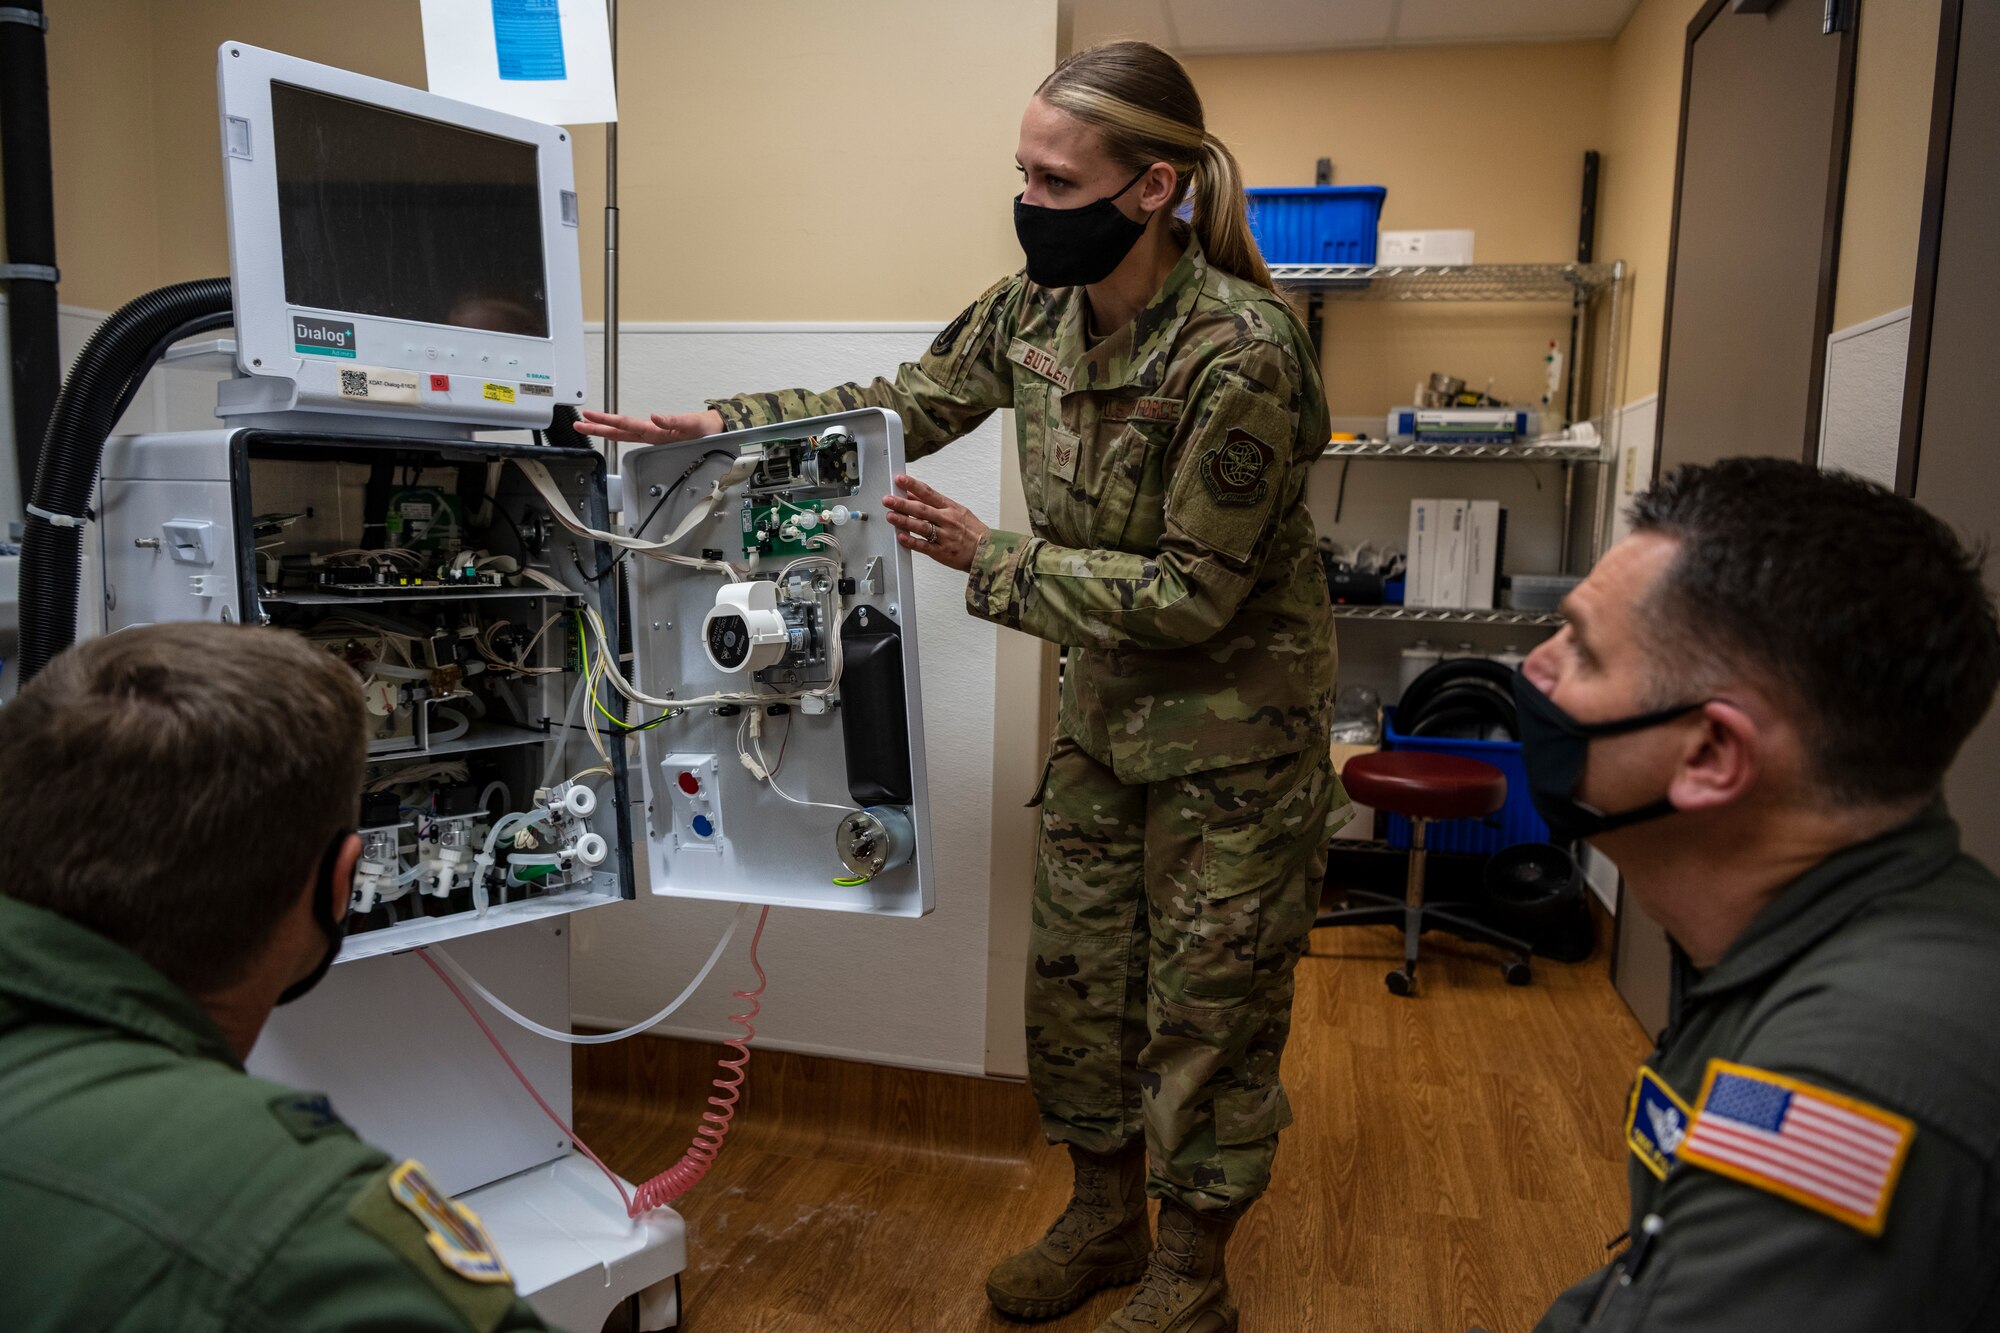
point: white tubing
(596, 1039)
(506, 797)
(455, 730)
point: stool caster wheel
(1401, 982)
(1517, 973)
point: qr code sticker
(354, 384)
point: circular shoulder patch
(1234, 470)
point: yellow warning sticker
(500, 393)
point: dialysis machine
(405, 277)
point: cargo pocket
(1242, 914)
(1218, 955)
(1250, 1115)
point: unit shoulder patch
(441, 1241)
(1234, 470)
(1656, 1122)
(1823, 1150)
(949, 335)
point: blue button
(702, 827)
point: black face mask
(1554, 748)
(1074, 247)
(322, 909)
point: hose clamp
(30, 272)
(25, 17)
(56, 520)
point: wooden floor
(1456, 1161)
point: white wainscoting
(1861, 421)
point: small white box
(1423, 247)
(1448, 558)
(1420, 550)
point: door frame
(1930, 234)
(1829, 253)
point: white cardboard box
(1424, 247)
(1421, 550)
(1485, 544)
(1448, 558)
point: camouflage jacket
(1165, 471)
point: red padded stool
(1424, 787)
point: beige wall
(1895, 62)
(1461, 138)
(854, 162)
(1895, 65)
(1642, 132)
(106, 170)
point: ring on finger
(933, 534)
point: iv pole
(611, 239)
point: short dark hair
(1860, 605)
(172, 787)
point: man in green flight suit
(178, 836)
(1751, 710)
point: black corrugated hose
(100, 386)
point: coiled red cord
(685, 1174)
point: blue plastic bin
(1316, 224)
(1516, 821)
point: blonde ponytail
(1143, 103)
(1221, 218)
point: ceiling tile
(1094, 21)
(1445, 21)
(1214, 26)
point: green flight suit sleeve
(940, 396)
(1734, 1258)
(1231, 468)
(359, 1262)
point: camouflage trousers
(1167, 920)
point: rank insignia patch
(1656, 1122)
(1234, 470)
(454, 1233)
(1828, 1152)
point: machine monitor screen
(391, 215)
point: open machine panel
(798, 780)
(435, 572)
(470, 588)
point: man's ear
(344, 862)
(1725, 754)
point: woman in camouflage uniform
(1168, 406)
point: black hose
(27, 185)
(106, 375)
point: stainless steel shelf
(1445, 616)
(479, 736)
(1459, 282)
(1468, 453)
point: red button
(690, 784)
(440, 384)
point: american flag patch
(1831, 1153)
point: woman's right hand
(660, 428)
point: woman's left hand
(942, 529)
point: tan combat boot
(1185, 1290)
(1101, 1240)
